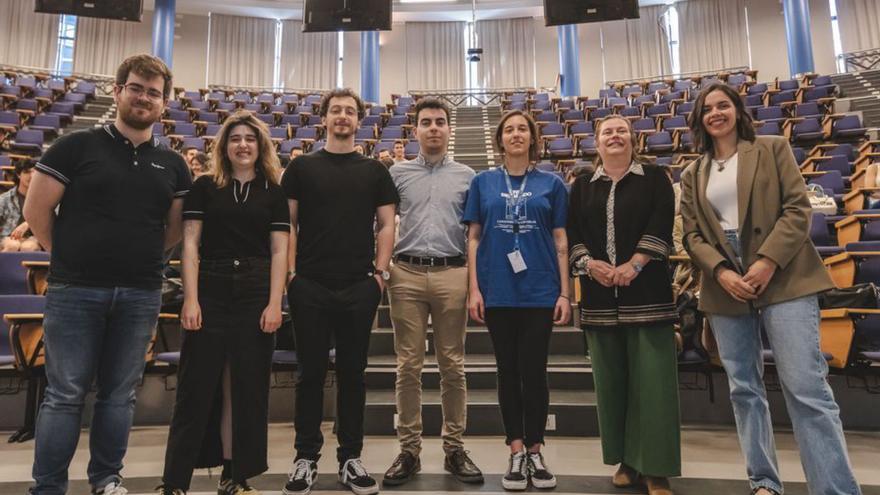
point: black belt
(429, 261)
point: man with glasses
(119, 197)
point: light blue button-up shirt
(432, 200)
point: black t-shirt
(110, 230)
(237, 219)
(337, 195)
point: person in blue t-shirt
(518, 277)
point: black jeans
(344, 310)
(232, 298)
(521, 339)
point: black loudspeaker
(346, 15)
(123, 10)
(560, 12)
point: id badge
(516, 261)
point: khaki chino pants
(441, 292)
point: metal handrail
(267, 89)
(680, 75)
(470, 96)
(103, 82)
(861, 60)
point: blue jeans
(91, 334)
(792, 327)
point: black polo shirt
(337, 195)
(110, 230)
(237, 219)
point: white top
(721, 191)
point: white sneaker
(541, 476)
(355, 477)
(113, 488)
(517, 476)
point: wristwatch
(385, 274)
(637, 266)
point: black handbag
(861, 296)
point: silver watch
(637, 266)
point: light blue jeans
(91, 334)
(792, 328)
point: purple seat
(577, 115)
(818, 93)
(375, 110)
(768, 129)
(754, 102)
(282, 109)
(178, 115)
(847, 127)
(809, 109)
(210, 117)
(588, 146)
(383, 145)
(158, 129)
(657, 86)
(12, 304)
(289, 144)
(193, 142)
(657, 110)
(294, 120)
(608, 93)
(644, 125)
(47, 123)
(787, 85)
(371, 120)
(184, 129)
(366, 132)
(398, 120)
(78, 100)
(582, 127)
(683, 85)
(174, 104)
(87, 88)
(807, 130)
(835, 162)
(306, 133)
(278, 132)
(844, 149)
(671, 97)
(871, 356)
(225, 105)
(65, 110)
(867, 334)
(547, 117)
(212, 130)
(686, 142)
(10, 119)
(546, 166)
(553, 129)
(676, 122)
(599, 113)
(736, 80)
(29, 141)
(757, 89)
(591, 103)
(565, 104)
(266, 98)
(782, 97)
(685, 108)
(628, 112)
(200, 105)
(770, 114)
(268, 118)
(312, 119)
(392, 133)
(616, 101)
(411, 150)
(253, 107)
(821, 237)
(799, 154)
(164, 141)
(659, 142)
(516, 105)
(13, 276)
(561, 148)
(831, 182)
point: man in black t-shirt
(336, 196)
(119, 197)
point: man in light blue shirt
(429, 278)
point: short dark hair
(21, 166)
(744, 128)
(430, 102)
(146, 66)
(342, 93)
(534, 144)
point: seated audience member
(189, 153)
(385, 158)
(872, 179)
(359, 148)
(399, 152)
(295, 152)
(14, 230)
(199, 165)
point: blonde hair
(634, 140)
(267, 161)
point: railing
(266, 89)
(681, 75)
(103, 82)
(861, 60)
(470, 96)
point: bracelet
(564, 297)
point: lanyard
(517, 202)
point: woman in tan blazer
(746, 221)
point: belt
(429, 261)
(233, 263)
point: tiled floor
(711, 464)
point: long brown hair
(267, 162)
(534, 149)
(744, 128)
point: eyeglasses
(137, 91)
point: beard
(128, 115)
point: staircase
(95, 113)
(470, 141)
(572, 399)
(863, 91)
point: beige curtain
(713, 34)
(308, 60)
(102, 44)
(859, 24)
(241, 51)
(27, 38)
(435, 55)
(508, 58)
(636, 48)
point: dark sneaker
(517, 477)
(538, 472)
(112, 488)
(355, 477)
(402, 470)
(462, 467)
(301, 478)
(229, 487)
(164, 490)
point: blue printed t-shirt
(543, 209)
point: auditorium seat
(846, 127)
(770, 114)
(13, 276)
(48, 123)
(768, 129)
(28, 141)
(560, 147)
(411, 150)
(658, 142)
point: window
(472, 81)
(835, 33)
(339, 55)
(276, 69)
(66, 42)
(670, 25)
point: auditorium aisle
(711, 462)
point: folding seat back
(588, 146)
(848, 126)
(212, 129)
(844, 149)
(600, 113)
(178, 115)
(774, 114)
(561, 147)
(685, 108)
(817, 93)
(736, 80)
(375, 110)
(46, 122)
(630, 112)
(870, 231)
(819, 230)
(819, 81)
(543, 106)
(644, 125)
(307, 133)
(757, 89)
(682, 85)
(366, 132)
(608, 93)
(392, 132)
(411, 150)
(193, 142)
(398, 120)
(516, 105)
(787, 85)
(644, 99)
(278, 132)
(868, 270)
(831, 182)
(29, 139)
(13, 276)
(659, 142)
(62, 108)
(659, 109)
(289, 98)
(809, 109)
(268, 118)
(808, 129)
(289, 144)
(184, 129)
(16, 304)
(210, 117)
(573, 115)
(10, 119)
(782, 97)
(768, 129)
(676, 122)
(581, 128)
(370, 120)
(630, 90)
(592, 103)
(266, 98)
(669, 97)
(836, 162)
(657, 86)
(553, 129)
(192, 95)
(546, 117)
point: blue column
(163, 30)
(370, 66)
(797, 32)
(569, 66)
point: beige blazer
(774, 222)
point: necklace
(722, 163)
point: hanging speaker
(560, 12)
(122, 10)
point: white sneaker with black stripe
(541, 476)
(301, 478)
(355, 477)
(517, 476)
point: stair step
(567, 341)
(482, 377)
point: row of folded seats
(34, 109)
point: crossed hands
(610, 276)
(749, 286)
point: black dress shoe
(402, 470)
(462, 467)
